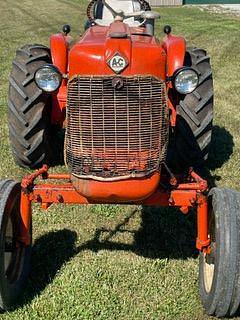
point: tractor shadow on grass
(163, 233)
(221, 150)
(49, 253)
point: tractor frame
(182, 192)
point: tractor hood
(117, 49)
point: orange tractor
(131, 116)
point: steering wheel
(122, 15)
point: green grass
(102, 262)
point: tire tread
(28, 112)
(194, 116)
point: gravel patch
(229, 9)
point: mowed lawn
(106, 262)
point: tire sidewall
(9, 292)
(208, 297)
(218, 300)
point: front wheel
(14, 257)
(219, 271)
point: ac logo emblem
(118, 63)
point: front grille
(115, 133)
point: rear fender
(59, 52)
(175, 48)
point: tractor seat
(104, 16)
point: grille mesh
(116, 133)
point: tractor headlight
(48, 78)
(185, 80)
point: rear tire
(193, 132)
(29, 109)
(14, 257)
(219, 271)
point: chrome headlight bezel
(55, 72)
(181, 72)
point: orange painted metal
(203, 183)
(27, 186)
(58, 176)
(59, 52)
(26, 217)
(59, 45)
(29, 179)
(173, 198)
(59, 101)
(173, 113)
(53, 193)
(175, 48)
(117, 191)
(203, 240)
(183, 195)
(67, 194)
(90, 55)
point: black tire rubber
(14, 269)
(29, 109)
(193, 131)
(222, 297)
